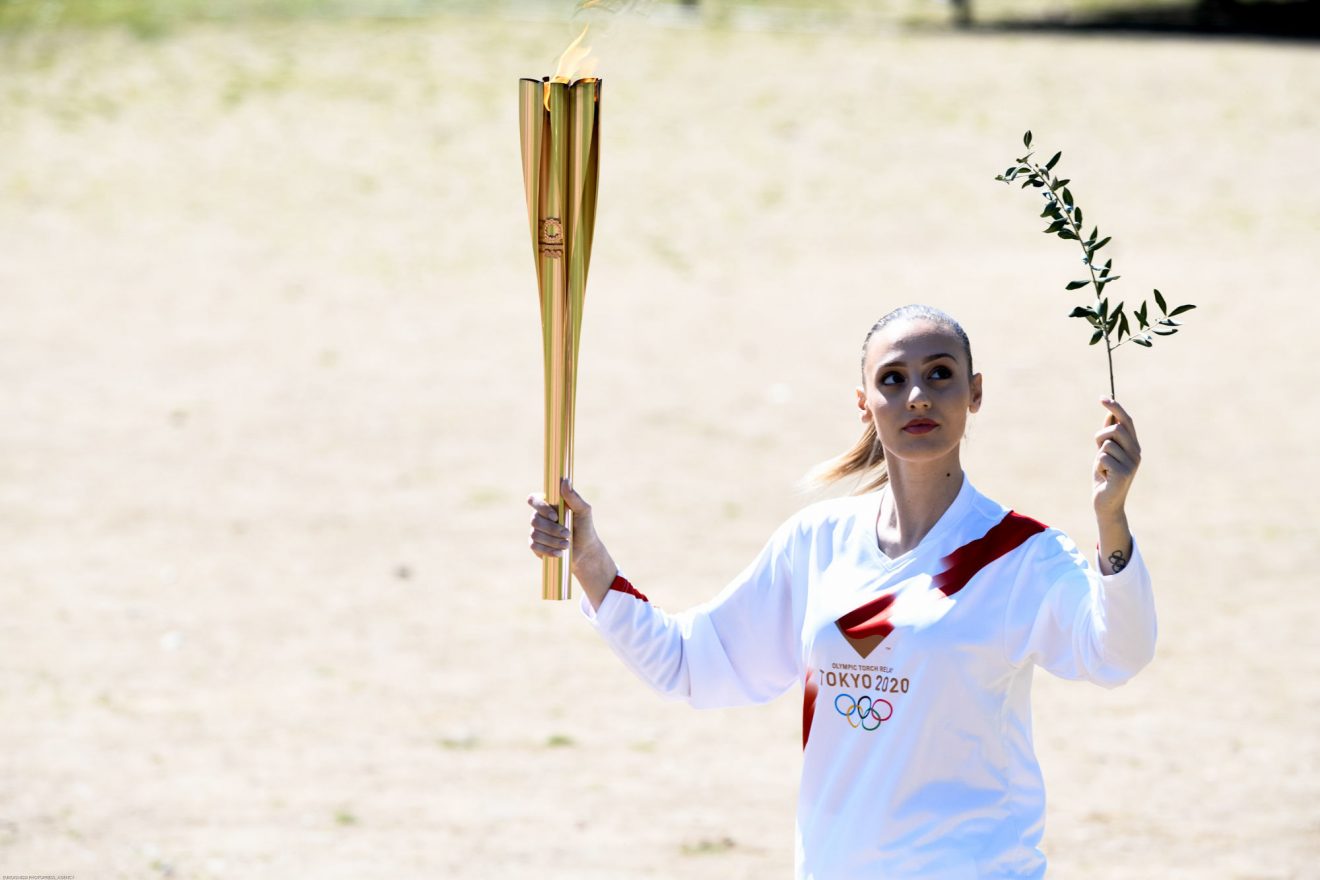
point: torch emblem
(552, 237)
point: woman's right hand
(592, 564)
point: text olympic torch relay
(911, 614)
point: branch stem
(1045, 178)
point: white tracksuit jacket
(916, 674)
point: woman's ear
(976, 394)
(861, 405)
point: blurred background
(271, 380)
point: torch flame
(576, 62)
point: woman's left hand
(1116, 462)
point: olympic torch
(559, 124)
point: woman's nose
(917, 397)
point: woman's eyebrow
(934, 357)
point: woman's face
(917, 390)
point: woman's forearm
(1115, 542)
(595, 571)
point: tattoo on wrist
(1117, 561)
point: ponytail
(866, 455)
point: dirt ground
(269, 352)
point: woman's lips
(920, 426)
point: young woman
(912, 615)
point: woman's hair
(866, 458)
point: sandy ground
(271, 403)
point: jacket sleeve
(1069, 619)
(741, 647)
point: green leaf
(1081, 312)
(1076, 285)
(1100, 287)
(1101, 243)
(1026, 139)
(1067, 233)
(1165, 332)
(1097, 336)
(1159, 301)
(1055, 226)
(1067, 197)
(1095, 230)
(1064, 182)
(1143, 341)
(1181, 309)
(1104, 309)
(1123, 324)
(1054, 161)
(1108, 263)
(1141, 317)
(1077, 217)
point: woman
(913, 615)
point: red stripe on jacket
(960, 566)
(1006, 536)
(809, 690)
(621, 584)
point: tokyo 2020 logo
(865, 712)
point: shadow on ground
(1288, 20)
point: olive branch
(1109, 323)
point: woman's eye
(891, 378)
(941, 372)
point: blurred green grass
(152, 18)
(155, 18)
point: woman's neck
(918, 496)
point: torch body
(559, 125)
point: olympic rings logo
(870, 713)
